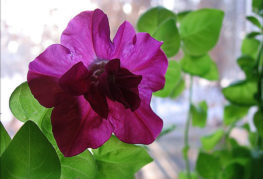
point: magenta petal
(77, 127)
(101, 34)
(123, 40)
(75, 81)
(153, 72)
(88, 35)
(139, 127)
(142, 55)
(45, 71)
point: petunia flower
(97, 86)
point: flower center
(102, 80)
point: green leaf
(196, 65)
(258, 121)
(250, 47)
(257, 6)
(233, 171)
(248, 65)
(4, 139)
(116, 159)
(212, 73)
(172, 79)
(46, 128)
(182, 15)
(209, 142)
(168, 33)
(178, 89)
(151, 19)
(241, 157)
(183, 175)
(30, 155)
(199, 114)
(24, 106)
(203, 67)
(241, 152)
(253, 34)
(200, 30)
(254, 21)
(207, 165)
(256, 165)
(233, 113)
(79, 166)
(241, 93)
(224, 155)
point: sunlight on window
(127, 8)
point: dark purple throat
(101, 80)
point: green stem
(259, 64)
(186, 132)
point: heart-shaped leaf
(79, 166)
(212, 74)
(182, 15)
(199, 30)
(178, 89)
(250, 47)
(197, 66)
(241, 93)
(24, 106)
(168, 33)
(4, 139)
(161, 24)
(210, 141)
(30, 155)
(233, 170)
(207, 165)
(233, 113)
(151, 19)
(116, 159)
(248, 65)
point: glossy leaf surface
(4, 139)
(30, 155)
(200, 30)
(116, 159)
(241, 93)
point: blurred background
(29, 26)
